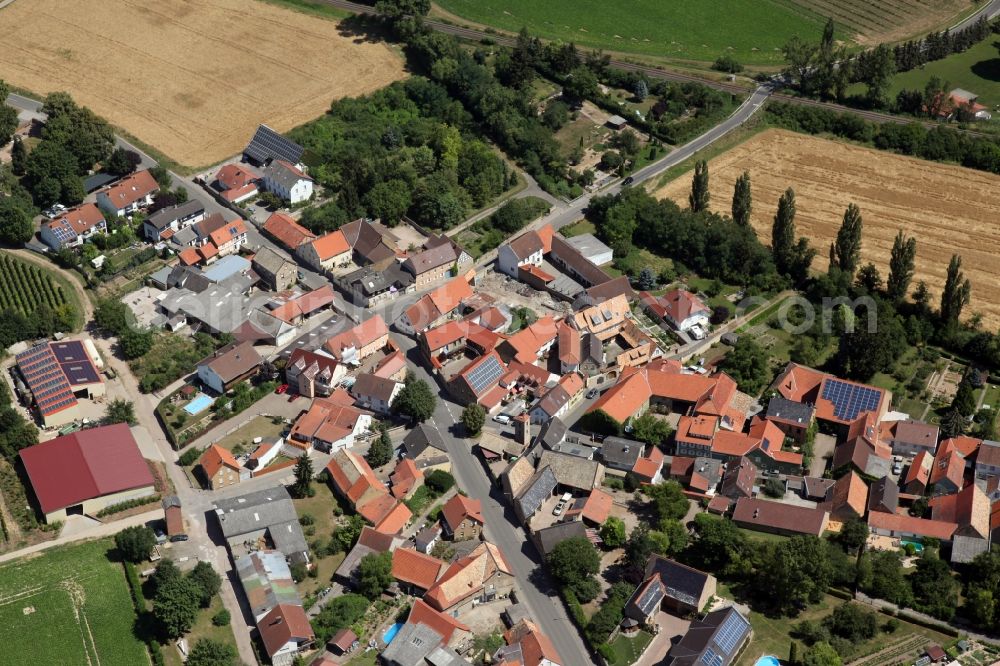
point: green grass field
(701, 30)
(82, 612)
(976, 70)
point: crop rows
(893, 652)
(863, 16)
(25, 288)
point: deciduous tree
(901, 266)
(415, 400)
(135, 543)
(210, 652)
(747, 363)
(207, 581)
(120, 411)
(175, 606)
(375, 574)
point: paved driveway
(671, 628)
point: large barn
(82, 473)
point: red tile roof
(948, 465)
(411, 566)
(646, 467)
(132, 188)
(405, 476)
(90, 463)
(536, 647)
(776, 515)
(235, 176)
(678, 305)
(920, 469)
(394, 521)
(893, 522)
(331, 245)
(215, 458)
(460, 507)
(799, 383)
(287, 231)
(284, 622)
(442, 623)
(189, 256)
(81, 218)
(362, 335)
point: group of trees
(178, 597)
(16, 433)
(415, 400)
(381, 450)
(938, 45)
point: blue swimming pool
(391, 632)
(200, 403)
(919, 547)
(768, 661)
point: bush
(190, 456)
(439, 481)
(727, 63)
(221, 618)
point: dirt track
(189, 77)
(949, 209)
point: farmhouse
(128, 195)
(73, 227)
(287, 181)
(228, 366)
(679, 308)
(325, 252)
(482, 576)
(262, 519)
(87, 471)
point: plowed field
(949, 209)
(189, 77)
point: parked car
(591, 394)
(281, 389)
(628, 181)
(503, 419)
(559, 508)
(179, 537)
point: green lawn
(321, 507)
(259, 426)
(68, 606)
(976, 70)
(701, 30)
(578, 228)
(628, 649)
(202, 629)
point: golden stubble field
(192, 78)
(949, 209)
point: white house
(287, 181)
(526, 249)
(128, 195)
(681, 309)
(74, 226)
(166, 221)
(375, 393)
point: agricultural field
(706, 29)
(68, 606)
(976, 70)
(25, 287)
(191, 79)
(948, 209)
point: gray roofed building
(369, 542)
(370, 240)
(686, 589)
(575, 448)
(272, 266)
(573, 472)
(186, 237)
(433, 257)
(372, 386)
(548, 538)
(421, 438)
(515, 613)
(738, 479)
(262, 514)
(411, 646)
(782, 409)
(445, 656)
(884, 496)
(553, 432)
(619, 286)
(816, 488)
(538, 489)
(174, 215)
(591, 248)
(280, 172)
(575, 264)
(266, 581)
(646, 600)
(267, 145)
(716, 640)
(620, 453)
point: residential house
(427, 538)
(527, 249)
(739, 479)
(417, 644)
(902, 526)
(405, 479)
(431, 309)
(863, 449)
(593, 509)
(274, 270)
(285, 632)
(479, 382)
(648, 468)
(462, 518)
(326, 252)
(620, 454)
(221, 468)
(604, 320)
(848, 498)
(451, 337)
(909, 437)
(685, 589)
(235, 183)
(375, 393)
(165, 222)
(370, 542)
(73, 227)
(454, 634)
(263, 517)
(415, 571)
(352, 478)
(558, 400)
(440, 257)
(229, 366)
(948, 471)
(570, 347)
(718, 639)
(313, 374)
(531, 343)
(779, 518)
(528, 494)
(679, 308)
(969, 509)
(287, 181)
(87, 471)
(988, 459)
(482, 576)
(330, 425)
(918, 475)
(129, 194)
(287, 231)
(793, 418)
(527, 646)
(425, 446)
(883, 496)
(605, 291)
(355, 345)
(372, 243)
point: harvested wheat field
(949, 209)
(192, 78)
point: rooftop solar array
(731, 633)
(485, 374)
(849, 400)
(267, 145)
(63, 232)
(46, 380)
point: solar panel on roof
(267, 144)
(485, 374)
(732, 630)
(849, 400)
